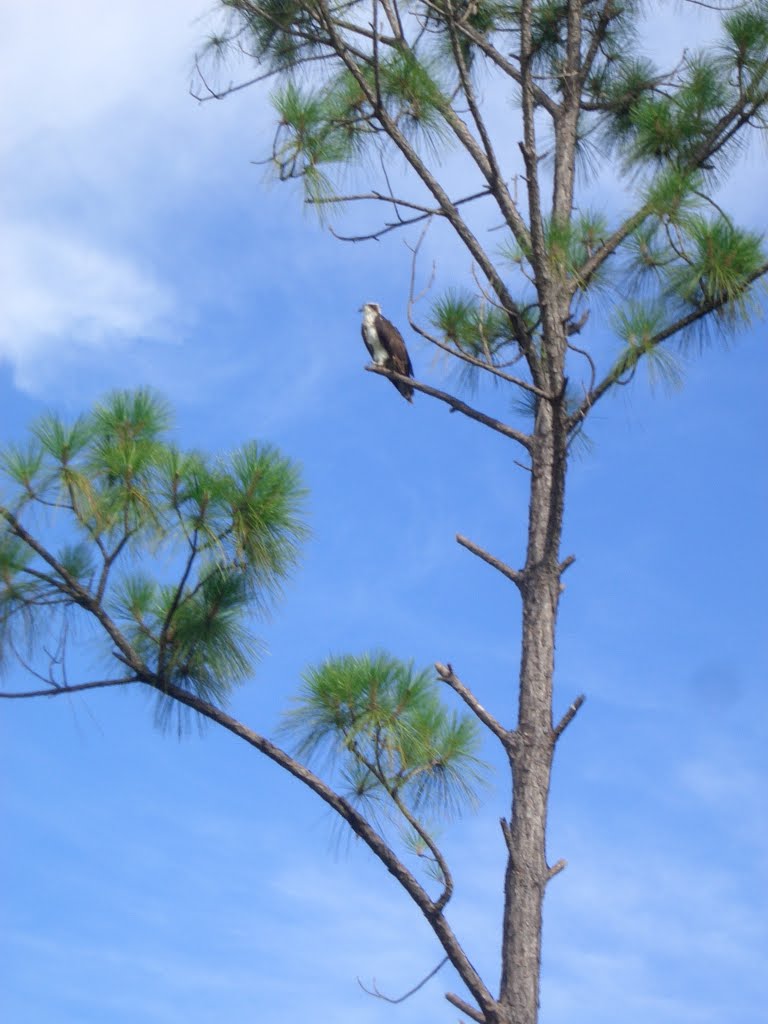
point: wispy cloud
(62, 293)
(96, 145)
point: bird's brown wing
(399, 360)
(395, 346)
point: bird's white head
(370, 308)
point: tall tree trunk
(532, 751)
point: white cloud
(100, 142)
(64, 295)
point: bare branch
(561, 865)
(55, 659)
(370, 196)
(493, 173)
(566, 564)
(368, 33)
(471, 360)
(470, 1011)
(401, 999)
(569, 715)
(515, 575)
(456, 404)
(109, 559)
(213, 94)
(590, 361)
(448, 676)
(401, 222)
(55, 691)
(393, 17)
(412, 297)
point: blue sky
(159, 880)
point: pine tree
(356, 81)
(354, 84)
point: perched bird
(386, 345)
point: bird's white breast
(379, 352)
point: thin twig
(401, 222)
(401, 999)
(451, 350)
(592, 369)
(55, 691)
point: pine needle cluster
(225, 533)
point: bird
(386, 346)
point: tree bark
(533, 744)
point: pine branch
(359, 826)
(706, 308)
(79, 594)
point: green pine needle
(384, 726)
(227, 532)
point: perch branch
(456, 404)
